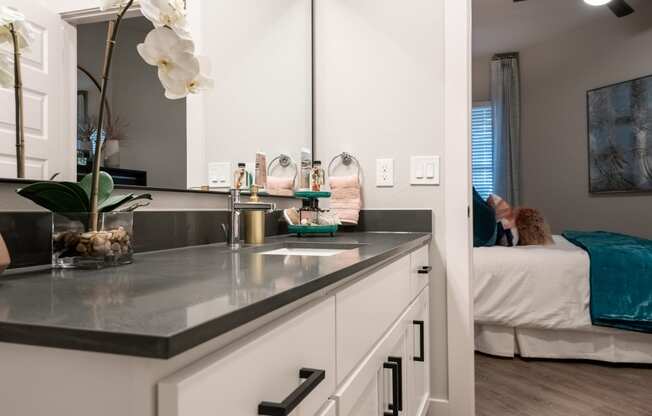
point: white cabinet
(395, 372)
(367, 309)
(278, 368)
(363, 351)
(378, 381)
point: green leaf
(117, 201)
(76, 188)
(105, 189)
(55, 197)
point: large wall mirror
(260, 54)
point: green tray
(312, 229)
(312, 194)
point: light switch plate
(424, 170)
(219, 174)
(384, 172)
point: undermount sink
(309, 249)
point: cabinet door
(418, 355)
(287, 365)
(328, 410)
(398, 358)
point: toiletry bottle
(317, 176)
(254, 221)
(306, 169)
(261, 170)
(241, 178)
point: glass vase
(76, 246)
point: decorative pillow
(484, 222)
(504, 215)
(532, 228)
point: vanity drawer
(366, 310)
(419, 270)
(236, 381)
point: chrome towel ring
(347, 159)
(284, 161)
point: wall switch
(384, 172)
(219, 174)
(424, 170)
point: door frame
(458, 212)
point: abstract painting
(620, 137)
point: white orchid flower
(24, 30)
(6, 72)
(167, 13)
(175, 90)
(110, 4)
(173, 56)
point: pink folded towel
(346, 198)
(280, 186)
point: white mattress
(545, 287)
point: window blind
(482, 145)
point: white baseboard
(438, 407)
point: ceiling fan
(619, 7)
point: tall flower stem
(97, 156)
(18, 92)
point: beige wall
(379, 94)
(555, 77)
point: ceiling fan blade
(620, 8)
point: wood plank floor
(515, 387)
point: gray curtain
(506, 108)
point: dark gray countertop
(171, 301)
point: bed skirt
(599, 344)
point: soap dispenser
(254, 221)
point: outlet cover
(219, 174)
(384, 173)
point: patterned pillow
(532, 228)
(505, 215)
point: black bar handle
(424, 270)
(395, 388)
(313, 378)
(422, 347)
(399, 362)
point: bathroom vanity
(304, 327)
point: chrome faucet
(236, 207)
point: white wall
(261, 61)
(379, 94)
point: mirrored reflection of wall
(261, 63)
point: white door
(48, 147)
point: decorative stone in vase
(74, 246)
(5, 260)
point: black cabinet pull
(395, 388)
(422, 354)
(399, 363)
(312, 377)
(424, 270)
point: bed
(533, 301)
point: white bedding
(543, 287)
